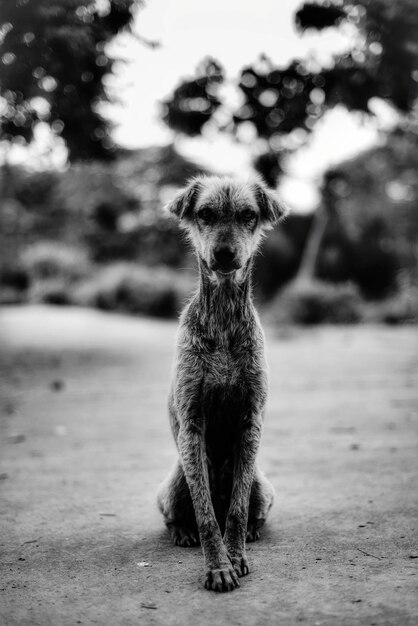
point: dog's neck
(225, 298)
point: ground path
(85, 442)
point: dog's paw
(224, 579)
(183, 536)
(253, 530)
(240, 565)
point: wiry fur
(216, 494)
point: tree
(382, 63)
(53, 62)
(384, 58)
(195, 101)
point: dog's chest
(225, 355)
(224, 409)
(223, 367)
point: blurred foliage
(53, 224)
(283, 104)
(46, 260)
(269, 165)
(131, 288)
(400, 309)
(374, 241)
(384, 58)
(58, 273)
(194, 102)
(45, 271)
(319, 16)
(53, 62)
(317, 302)
(108, 212)
(95, 234)
(370, 232)
(382, 62)
(278, 101)
(279, 256)
(113, 209)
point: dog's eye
(207, 216)
(247, 215)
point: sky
(235, 32)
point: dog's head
(225, 219)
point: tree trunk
(306, 271)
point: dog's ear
(184, 202)
(272, 209)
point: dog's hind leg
(261, 500)
(176, 505)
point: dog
(216, 495)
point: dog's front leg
(220, 575)
(244, 467)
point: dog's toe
(254, 529)
(240, 565)
(183, 536)
(221, 580)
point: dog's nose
(225, 258)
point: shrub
(33, 188)
(52, 291)
(47, 260)
(276, 263)
(130, 288)
(14, 283)
(316, 302)
(53, 269)
(401, 308)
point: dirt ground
(86, 441)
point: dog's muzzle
(225, 260)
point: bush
(276, 263)
(130, 288)
(47, 260)
(316, 302)
(33, 188)
(401, 308)
(52, 270)
(52, 291)
(14, 283)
